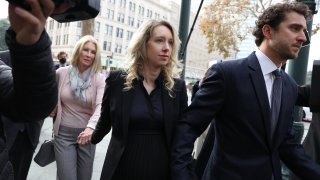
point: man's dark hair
(61, 53)
(275, 14)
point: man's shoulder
(56, 66)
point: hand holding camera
(67, 10)
(28, 25)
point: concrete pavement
(48, 172)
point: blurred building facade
(115, 25)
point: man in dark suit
(22, 138)
(251, 137)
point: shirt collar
(267, 66)
(158, 81)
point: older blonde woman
(81, 87)
(142, 106)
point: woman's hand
(84, 137)
(53, 112)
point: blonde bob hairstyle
(137, 55)
(96, 66)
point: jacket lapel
(261, 93)
(168, 107)
(126, 109)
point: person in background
(22, 138)
(28, 90)
(142, 105)
(309, 97)
(251, 101)
(62, 57)
(81, 87)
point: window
(141, 10)
(130, 21)
(79, 24)
(108, 46)
(108, 30)
(139, 22)
(149, 13)
(118, 48)
(156, 15)
(119, 32)
(110, 14)
(65, 39)
(58, 40)
(132, 6)
(120, 17)
(97, 27)
(51, 24)
(123, 3)
(104, 47)
(129, 35)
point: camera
(79, 10)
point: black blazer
(235, 96)
(116, 104)
(12, 128)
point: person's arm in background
(29, 91)
(303, 95)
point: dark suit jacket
(235, 96)
(12, 128)
(116, 104)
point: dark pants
(20, 155)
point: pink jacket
(96, 91)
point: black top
(146, 155)
(146, 108)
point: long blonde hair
(96, 66)
(137, 54)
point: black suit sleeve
(208, 101)
(28, 91)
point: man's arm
(303, 95)
(294, 156)
(195, 120)
(30, 89)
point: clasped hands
(84, 137)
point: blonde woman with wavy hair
(142, 105)
(137, 54)
(81, 87)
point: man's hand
(29, 25)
